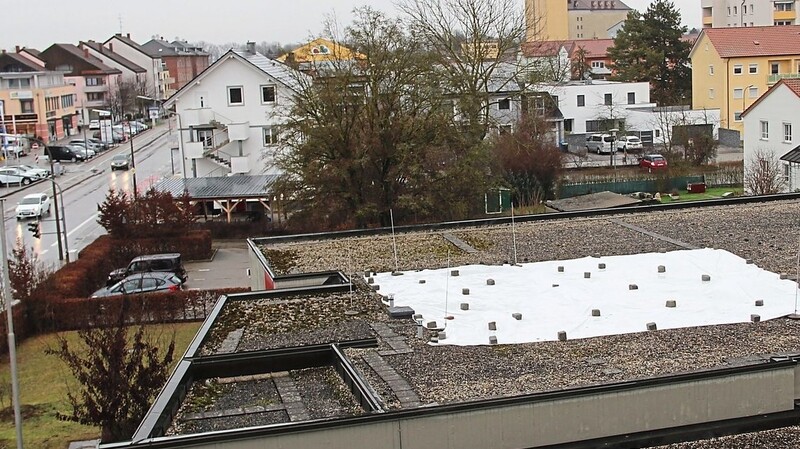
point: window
(94, 81)
(19, 83)
(737, 69)
(738, 93)
(753, 68)
(581, 101)
(66, 101)
(504, 104)
(711, 93)
(787, 132)
(735, 10)
(270, 136)
(764, 130)
(26, 106)
(783, 6)
(631, 97)
(711, 70)
(235, 95)
(752, 92)
(607, 100)
(598, 64)
(775, 68)
(737, 116)
(782, 22)
(95, 96)
(505, 129)
(267, 94)
(729, 10)
(744, 9)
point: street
(85, 185)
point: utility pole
(12, 344)
(133, 162)
(58, 218)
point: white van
(599, 143)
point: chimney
(251, 47)
(86, 53)
(128, 35)
(17, 49)
(118, 34)
(111, 46)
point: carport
(228, 191)
(793, 159)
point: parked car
(599, 143)
(14, 151)
(87, 144)
(90, 152)
(35, 172)
(653, 161)
(168, 263)
(33, 205)
(142, 283)
(629, 143)
(82, 152)
(62, 153)
(13, 175)
(120, 162)
(99, 143)
(94, 124)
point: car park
(140, 283)
(94, 124)
(629, 143)
(169, 262)
(87, 144)
(34, 172)
(14, 151)
(13, 175)
(653, 161)
(120, 162)
(82, 152)
(99, 143)
(33, 205)
(62, 153)
(599, 143)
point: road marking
(93, 217)
(198, 279)
(43, 251)
(204, 269)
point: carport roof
(220, 187)
(793, 156)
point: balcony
(198, 116)
(772, 79)
(100, 88)
(708, 21)
(784, 15)
(239, 131)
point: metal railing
(774, 78)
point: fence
(625, 186)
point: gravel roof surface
(762, 232)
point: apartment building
(748, 13)
(182, 60)
(573, 19)
(158, 77)
(733, 67)
(35, 101)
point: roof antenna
(119, 16)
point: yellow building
(732, 67)
(319, 51)
(549, 20)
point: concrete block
(755, 318)
(401, 312)
(555, 285)
(759, 302)
(431, 325)
(601, 266)
(633, 287)
(595, 312)
(587, 275)
(492, 340)
(417, 316)
(784, 276)
(367, 273)
(671, 303)
(453, 272)
(434, 339)
(422, 281)
(397, 273)
(560, 269)
(376, 287)
(370, 280)
(442, 335)
(490, 282)
(748, 261)
(562, 336)
(651, 326)
(662, 269)
(465, 291)
(464, 306)
(705, 278)
(492, 326)
(517, 316)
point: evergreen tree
(649, 48)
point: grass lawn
(44, 382)
(710, 194)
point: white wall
(152, 65)
(210, 92)
(663, 121)
(594, 99)
(777, 108)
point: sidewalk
(227, 268)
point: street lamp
(60, 217)
(613, 132)
(744, 99)
(153, 118)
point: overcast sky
(41, 23)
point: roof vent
(756, 43)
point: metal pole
(394, 242)
(133, 162)
(55, 205)
(64, 222)
(12, 345)
(180, 145)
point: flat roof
(220, 187)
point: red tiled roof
(544, 48)
(755, 41)
(595, 48)
(792, 83)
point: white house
(130, 70)
(229, 115)
(157, 74)
(770, 129)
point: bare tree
(764, 174)
(470, 39)
(581, 69)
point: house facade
(748, 13)
(733, 67)
(182, 61)
(36, 101)
(94, 81)
(158, 77)
(229, 115)
(130, 71)
(573, 19)
(772, 129)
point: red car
(651, 161)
